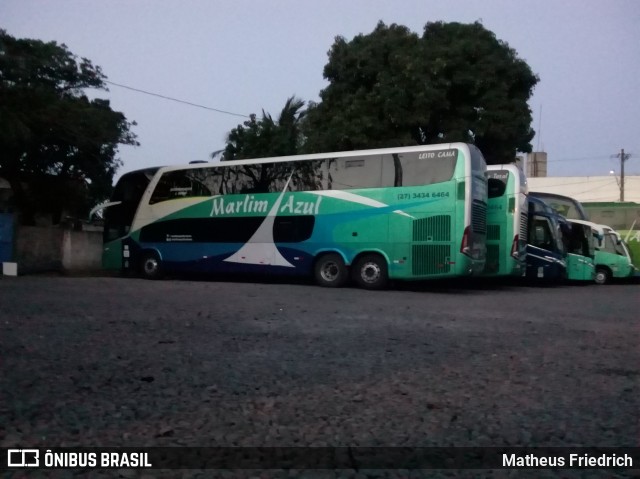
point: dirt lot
(127, 362)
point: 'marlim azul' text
(224, 206)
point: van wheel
(151, 266)
(602, 276)
(330, 271)
(371, 272)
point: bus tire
(371, 272)
(603, 276)
(330, 271)
(151, 265)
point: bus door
(544, 259)
(580, 252)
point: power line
(589, 190)
(599, 157)
(592, 189)
(605, 180)
(175, 99)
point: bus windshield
(128, 192)
(568, 207)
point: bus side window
(611, 245)
(177, 184)
(362, 172)
(540, 235)
(161, 191)
(542, 238)
(619, 248)
(416, 172)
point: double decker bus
(407, 213)
(507, 212)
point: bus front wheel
(330, 271)
(151, 266)
(371, 272)
(602, 276)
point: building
(536, 164)
(588, 189)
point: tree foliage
(53, 138)
(266, 137)
(457, 82)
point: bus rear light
(514, 247)
(465, 248)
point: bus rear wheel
(371, 272)
(602, 276)
(150, 265)
(330, 271)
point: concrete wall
(620, 216)
(81, 250)
(39, 249)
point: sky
(246, 56)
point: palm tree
(260, 138)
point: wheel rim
(370, 272)
(330, 271)
(150, 266)
(601, 277)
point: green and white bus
(557, 249)
(507, 210)
(612, 257)
(408, 213)
(568, 243)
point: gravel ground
(126, 362)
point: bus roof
(505, 166)
(567, 201)
(539, 206)
(516, 171)
(601, 229)
(321, 156)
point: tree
(266, 137)
(372, 97)
(392, 88)
(58, 147)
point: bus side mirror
(103, 206)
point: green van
(612, 258)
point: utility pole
(623, 157)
